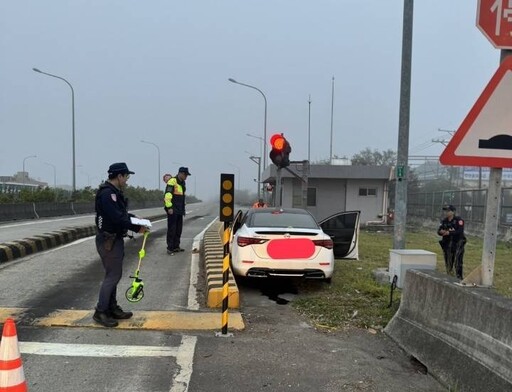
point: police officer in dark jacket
(113, 223)
(453, 240)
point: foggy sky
(158, 70)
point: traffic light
(281, 149)
(227, 197)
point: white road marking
(96, 350)
(194, 269)
(35, 222)
(185, 362)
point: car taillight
(324, 243)
(244, 241)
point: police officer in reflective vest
(174, 205)
(453, 240)
(113, 223)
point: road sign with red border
(485, 136)
(494, 20)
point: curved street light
(265, 121)
(24, 159)
(72, 118)
(158, 150)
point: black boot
(104, 319)
(119, 314)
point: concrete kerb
(20, 248)
(213, 255)
(461, 334)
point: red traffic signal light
(277, 142)
(280, 153)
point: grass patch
(355, 299)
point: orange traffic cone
(12, 378)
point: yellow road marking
(148, 320)
(144, 320)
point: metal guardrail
(21, 211)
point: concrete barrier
(462, 335)
(213, 255)
(19, 211)
(20, 248)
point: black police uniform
(113, 223)
(453, 244)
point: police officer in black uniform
(453, 240)
(113, 223)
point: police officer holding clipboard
(113, 222)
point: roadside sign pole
(226, 215)
(225, 279)
(403, 128)
(492, 215)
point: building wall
(337, 195)
(330, 197)
(370, 206)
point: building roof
(333, 172)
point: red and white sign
(485, 136)
(494, 19)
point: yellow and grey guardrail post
(226, 215)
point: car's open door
(343, 228)
(237, 223)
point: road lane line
(36, 222)
(194, 269)
(185, 362)
(95, 350)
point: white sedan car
(269, 242)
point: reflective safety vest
(174, 196)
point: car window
(281, 219)
(344, 221)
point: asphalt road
(11, 231)
(279, 350)
(80, 359)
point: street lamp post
(257, 160)
(23, 173)
(72, 119)
(260, 169)
(54, 174)
(158, 150)
(238, 180)
(265, 121)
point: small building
(21, 180)
(332, 188)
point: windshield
(282, 219)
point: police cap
(449, 207)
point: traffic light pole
(277, 198)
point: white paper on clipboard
(141, 222)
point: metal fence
(470, 204)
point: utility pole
(403, 128)
(332, 121)
(309, 128)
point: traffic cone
(12, 378)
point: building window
(367, 191)
(311, 197)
